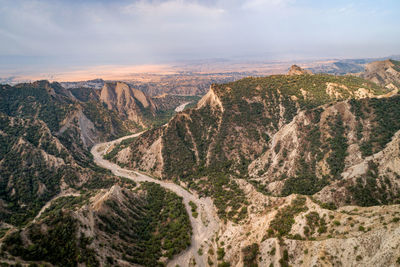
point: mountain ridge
(284, 159)
(382, 72)
(302, 169)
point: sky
(62, 33)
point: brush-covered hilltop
(303, 168)
(57, 206)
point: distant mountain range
(189, 78)
(346, 66)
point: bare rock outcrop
(382, 72)
(130, 103)
(296, 70)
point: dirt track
(204, 226)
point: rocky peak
(127, 101)
(296, 70)
(211, 99)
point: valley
(205, 226)
(199, 133)
(252, 145)
(295, 169)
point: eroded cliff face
(303, 169)
(236, 123)
(124, 223)
(212, 100)
(296, 70)
(45, 137)
(35, 166)
(148, 153)
(385, 73)
(130, 103)
(382, 72)
(150, 147)
(296, 231)
(335, 153)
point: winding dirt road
(205, 226)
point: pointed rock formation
(128, 102)
(296, 70)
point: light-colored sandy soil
(181, 107)
(205, 226)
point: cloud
(257, 4)
(172, 8)
(149, 31)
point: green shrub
(220, 253)
(60, 244)
(193, 209)
(250, 254)
(284, 219)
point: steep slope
(57, 206)
(233, 125)
(130, 103)
(301, 231)
(296, 231)
(85, 94)
(296, 70)
(45, 137)
(383, 72)
(164, 107)
(252, 145)
(32, 165)
(35, 166)
(304, 231)
(61, 111)
(338, 149)
(50, 129)
(120, 225)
